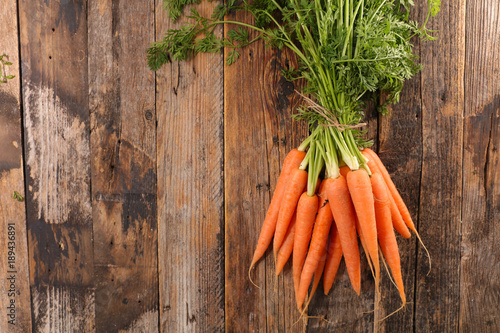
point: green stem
(315, 167)
(307, 158)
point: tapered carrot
(317, 275)
(345, 220)
(319, 240)
(363, 244)
(319, 270)
(292, 161)
(287, 246)
(392, 189)
(306, 215)
(385, 231)
(360, 189)
(333, 260)
(397, 220)
(293, 190)
(405, 214)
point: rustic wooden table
(144, 192)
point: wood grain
(15, 309)
(480, 247)
(189, 103)
(145, 193)
(437, 299)
(258, 134)
(56, 117)
(123, 155)
(400, 148)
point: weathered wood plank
(480, 270)
(437, 297)
(400, 148)
(15, 309)
(123, 155)
(189, 104)
(258, 134)
(56, 118)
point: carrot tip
(250, 276)
(426, 251)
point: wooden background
(145, 192)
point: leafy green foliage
(3, 74)
(175, 7)
(348, 51)
(198, 37)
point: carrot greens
(349, 51)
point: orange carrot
(397, 220)
(405, 214)
(393, 190)
(317, 275)
(292, 161)
(360, 189)
(306, 214)
(319, 271)
(344, 170)
(333, 260)
(319, 240)
(287, 246)
(293, 190)
(345, 220)
(363, 244)
(385, 231)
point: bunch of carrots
(332, 188)
(319, 221)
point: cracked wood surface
(145, 192)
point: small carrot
(360, 189)
(319, 240)
(287, 246)
(292, 161)
(293, 190)
(398, 200)
(317, 276)
(306, 215)
(344, 216)
(385, 231)
(319, 271)
(397, 220)
(333, 260)
(363, 244)
(393, 190)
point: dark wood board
(53, 43)
(145, 191)
(480, 245)
(123, 164)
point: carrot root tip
(250, 276)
